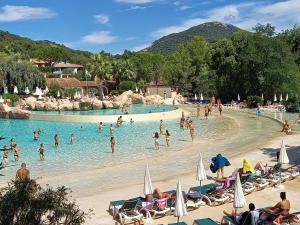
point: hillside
(212, 32)
(29, 48)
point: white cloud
(11, 13)
(137, 7)
(99, 37)
(136, 2)
(185, 7)
(284, 14)
(104, 19)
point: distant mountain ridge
(211, 31)
(27, 47)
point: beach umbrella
(262, 96)
(75, 95)
(136, 90)
(195, 98)
(201, 97)
(46, 90)
(201, 175)
(141, 93)
(283, 157)
(16, 90)
(148, 190)
(275, 98)
(239, 200)
(5, 90)
(148, 91)
(239, 99)
(26, 91)
(280, 99)
(58, 94)
(1, 99)
(40, 97)
(180, 207)
(287, 97)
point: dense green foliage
(25, 202)
(127, 85)
(292, 104)
(27, 48)
(12, 97)
(253, 101)
(211, 32)
(20, 74)
(54, 89)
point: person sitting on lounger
(258, 169)
(246, 218)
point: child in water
(72, 139)
(168, 135)
(112, 144)
(42, 152)
(156, 143)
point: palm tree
(100, 67)
(123, 70)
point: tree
(100, 66)
(123, 70)
(52, 54)
(265, 30)
(25, 202)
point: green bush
(115, 92)
(85, 105)
(13, 98)
(127, 85)
(252, 101)
(53, 89)
(292, 104)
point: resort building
(159, 89)
(70, 67)
(39, 63)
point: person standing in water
(168, 136)
(5, 155)
(72, 139)
(42, 152)
(39, 131)
(161, 127)
(192, 130)
(112, 144)
(12, 143)
(111, 130)
(101, 126)
(16, 152)
(182, 120)
(220, 107)
(23, 173)
(156, 143)
(206, 111)
(35, 136)
(56, 140)
(198, 110)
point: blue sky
(116, 25)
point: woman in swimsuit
(112, 144)
(101, 126)
(56, 140)
(156, 143)
(187, 121)
(111, 130)
(182, 120)
(16, 152)
(5, 155)
(168, 135)
(72, 139)
(12, 143)
(192, 130)
(161, 126)
(42, 150)
(220, 107)
(206, 112)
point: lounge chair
(129, 212)
(195, 200)
(247, 185)
(179, 223)
(158, 208)
(205, 221)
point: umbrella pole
(200, 183)
(177, 219)
(235, 212)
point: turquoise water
(133, 109)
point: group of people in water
(14, 147)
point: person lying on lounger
(246, 218)
(248, 168)
(157, 192)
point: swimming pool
(133, 109)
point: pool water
(133, 109)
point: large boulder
(4, 108)
(51, 106)
(65, 106)
(124, 98)
(154, 99)
(116, 104)
(39, 105)
(30, 102)
(17, 113)
(76, 106)
(97, 104)
(107, 104)
(138, 99)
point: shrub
(127, 85)
(292, 104)
(26, 202)
(252, 101)
(85, 105)
(53, 89)
(13, 98)
(115, 92)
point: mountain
(29, 48)
(212, 32)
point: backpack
(246, 218)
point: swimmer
(112, 144)
(39, 131)
(198, 110)
(42, 150)
(156, 143)
(192, 130)
(168, 135)
(131, 120)
(101, 126)
(161, 126)
(182, 120)
(5, 155)
(119, 121)
(16, 152)
(72, 139)
(126, 112)
(56, 140)
(111, 130)
(81, 127)
(35, 136)
(206, 111)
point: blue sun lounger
(179, 223)
(205, 221)
(114, 206)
